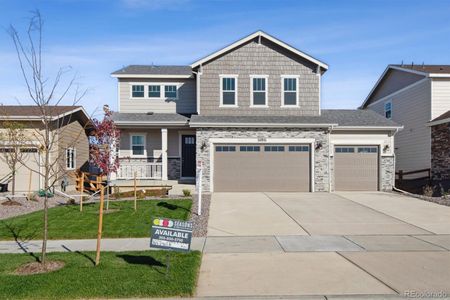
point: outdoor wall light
(203, 146)
(318, 146)
(386, 148)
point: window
(249, 149)
(137, 145)
(228, 87)
(298, 148)
(259, 91)
(289, 92)
(388, 110)
(137, 91)
(154, 91)
(274, 148)
(225, 148)
(70, 158)
(170, 91)
(345, 150)
(367, 150)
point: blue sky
(357, 39)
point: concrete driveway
(293, 244)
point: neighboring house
(412, 95)
(249, 115)
(440, 148)
(72, 146)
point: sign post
(170, 234)
(198, 183)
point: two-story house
(413, 95)
(249, 116)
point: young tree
(45, 94)
(103, 146)
(13, 139)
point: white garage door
(31, 160)
(253, 168)
(356, 168)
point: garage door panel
(356, 171)
(261, 171)
(30, 160)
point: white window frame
(163, 89)
(221, 77)
(145, 90)
(297, 102)
(131, 144)
(74, 158)
(266, 78)
(160, 91)
(385, 111)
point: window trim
(144, 135)
(131, 90)
(297, 100)
(74, 159)
(148, 91)
(266, 78)
(385, 111)
(236, 88)
(163, 88)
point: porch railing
(144, 170)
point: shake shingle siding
(185, 104)
(259, 59)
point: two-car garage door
(262, 167)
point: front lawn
(67, 222)
(119, 275)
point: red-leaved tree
(103, 146)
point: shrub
(428, 191)
(187, 192)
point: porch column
(164, 153)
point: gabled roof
(430, 70)
(259, 34)
(442, 119)
(152, 71)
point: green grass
(120, 274)
(67, 222)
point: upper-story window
(137, 145)
(228, 90)
(137, 91)
(154, 91)
(388, 110)
(170, 91)
(289, 93)
(258, 90)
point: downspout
(198, 74)
(329, 158)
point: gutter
(251, 125)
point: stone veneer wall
(387, 173)
(321, 176)
(440, 152)
(174, 168)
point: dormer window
(154, 91)
(228, 90)
(170, 91)
(258, 90)
(388, 110)
(137, 91)
(289, 90)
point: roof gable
(259, 35)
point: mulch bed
(200, 222)
(38, 268)
(27, 206)
(11, 203)
(437, 200)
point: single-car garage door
(266, 168)
(30, 157)
(356, 168)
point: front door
(188, 156)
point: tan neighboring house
(249, 117)
(412, 95)
(72, 147)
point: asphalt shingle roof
(444, 116)
(33, 111)
(154, 70)
(341, 117)
(149, 118)
(439, 69)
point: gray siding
(393, 81)
(411, 108)
(186, 102)
(441, 96)
(259, 59)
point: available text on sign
(171, 234)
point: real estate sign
(171, 234)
